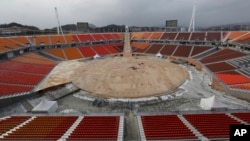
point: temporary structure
(46, 106)
(159, 55)
(211, 103)
(96, 56)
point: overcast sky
(41, 13)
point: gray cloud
(130, 12)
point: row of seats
(170, 50)
(11, 43)
(227, 73)
(8, 89)
(245, 86)
(65, 53)
(96, 128)
(243, 116)
(199, 49)
(33, 58)
(244, 38)
(183, 51)
(211, 125)
(43, 128)
(179, 36)
(11, 122)
(154, 49)
(56, 52)
(20, 75)
(54, 127)
(25, 67)
(235, 35)
(221, 55)
(14, 77)
(165, 127)
(232, 77)
(221, 66)
(6, 44)
(87, 51)
(97, 37)
(139, 47)
(72, 53)
(155, 127)
(170, 127)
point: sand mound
(129, 77)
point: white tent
(211, 103)
(159, 55)
(97, 56)
(46, 106)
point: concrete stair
(71, 129)
(192, 128)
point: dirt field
(120, 77)
(129, 77)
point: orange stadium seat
(232, 77)
(139, 47)
(244, 39)
(57, 39)
(56, 52)
(33, 58)
(137, 35)
(70, 39)
(40, 40)
(245, 86)
(156, 36)
(7, 45)
(235, 34)
(146, 35)
(20, 40)
(72, 53)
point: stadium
(129, 85)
